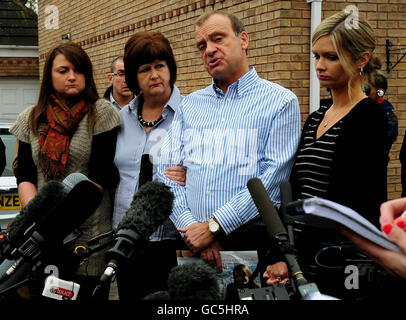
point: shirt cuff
(184, 219)
(228, 218)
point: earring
(380, 93)
(361, 72)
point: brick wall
(19, 67)
(279, 41)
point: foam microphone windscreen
(36, 210)
(151, 206)
(193, 281)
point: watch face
(213, 226)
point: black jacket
(359, 172)
(107, 93)
(2, 156)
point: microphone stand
(287, 244)
(277, 231)
(94, 245)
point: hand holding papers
(321, 212)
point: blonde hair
(351, 41)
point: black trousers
(148, 272)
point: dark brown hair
(79, 58)
(143, 48)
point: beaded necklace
(146, 123)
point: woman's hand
(393, 262)
(391, 212)
(393, 224)
(26, 191)
(177, 175)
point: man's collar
(115, 103)
(241, 85)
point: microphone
(190, 281)
(39, 207)
(146, 170)
(277, 233)
(36, 211)
(286, 199)
(151, 206)
(47, 236)
(193, 281)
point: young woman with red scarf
(70, 130)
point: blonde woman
(342, 152)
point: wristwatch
(214, 227)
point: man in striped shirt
(239, 127)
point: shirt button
(208, 193)
(223, 119)
(228, 99)
(211, 167)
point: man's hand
(197, 236)
(277, 273)
(211, 255)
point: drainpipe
(314, 99)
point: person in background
(342, 152)
(70, 130)
(376, 88)
(118, 92)
(150, 69)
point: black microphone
(190, 281)
(146, 170)
(277, 233)
(38, 208)
(36, 211)
(151, 206)
(23, 225)
(68, 214)
(286, 199)
(193, 281)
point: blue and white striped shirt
(223, 140)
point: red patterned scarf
(55, 137)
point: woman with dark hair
(69, 130)
(150, 71)
(375, 88)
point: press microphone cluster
(151, 206)
(31, 216)
(42, 225)
(280, 236)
